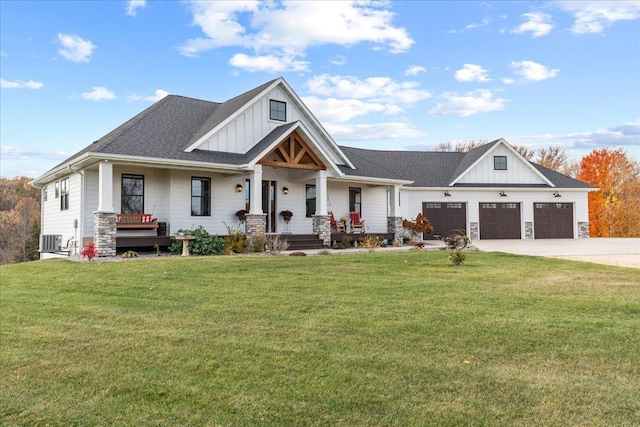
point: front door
(269, 204)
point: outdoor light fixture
(239, 188)
(556, 194)
(447, 194)
(503, 194)
(285, 190)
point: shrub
(259, 242)
(203, 244)
(235, 241)
(275, 245)
(457, 257)
(89, 251)
(371, 241)
(130, 254)
(420, 226)
(346, 241)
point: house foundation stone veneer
(583, 230)
(255, 225)
(394, 225)
(528, 230)
(322, 227)
(104, 233)
(474, 234)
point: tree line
(614, 209)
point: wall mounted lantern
(285, 190)
(503, 194)
(447, 194)
(556, 194)
(239, 188)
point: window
(45, 193)
(310, 197)
(355, 200)
(64, 194)
(200, 196)
(132, 198)
(500, 163)
(454, 205)
(278, 110)
(509, 206)
(488, 205)
(432, 205)
(247, 195)
(57, 189)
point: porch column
(104, 219)
(256, 222)
(321, 221)
(105, 187)
(394, 220)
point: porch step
(300, 242)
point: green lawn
(372, 339)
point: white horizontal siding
(56, 221)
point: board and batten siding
(517, 171)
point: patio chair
(357, 224)
(338, 226)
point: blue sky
(381, 75)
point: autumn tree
(460, 146)
(19, 220)
(420, 226)
(614, 210)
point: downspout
(83, 197)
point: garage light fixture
(239, 188)
(447, 194)
(503, 194)
(556, 194)
(285, 190)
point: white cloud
(473, 26)
(363, 132)
(479, 101)
(332, 110)
(595, 16)
(533, 71)
(339, 60)
(414, 70)
(287, 29)
(3, 53)
(19, 84)
(134, 5)
(508, 81)
(471, 73)
(157, 96)
(379, 89)
(538, 24)
(98, 93)
(268, 63)
(75, 48)
(16, 153)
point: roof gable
(478, 167)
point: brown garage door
(553, 220)
(500, 221)
(446, 216)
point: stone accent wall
(474, 231)
(104, 233)
(322, 227)
(528, 230)
(583, 230)
(255, 225)
(394, 225)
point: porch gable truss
(293, 153)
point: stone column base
(583, 230)
(528, 230)
(322, 227)
(394, 225)
(104, 233)
(255, 225)
(474, 232)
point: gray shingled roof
(433, 168)
(168, 127)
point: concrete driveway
(622, 252)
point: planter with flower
(286, 215)
(242, 215)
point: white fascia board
(501, 141)
(232, 116)
(318, 125)
(371, 180)
(298, 126)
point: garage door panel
(553, 220)
(500, 221)
(445, 216)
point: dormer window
(278, 110)
(500, 163)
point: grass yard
(373, 339)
